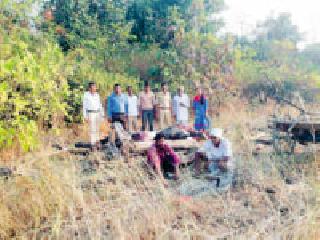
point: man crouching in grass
(217, 155)
(163, 159)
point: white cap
(216, 132)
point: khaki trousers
(165, 118)
(94, 127)
(132, 124)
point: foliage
(46, 63)
(32, 83)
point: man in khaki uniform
(164, 106)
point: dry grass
(49, 198)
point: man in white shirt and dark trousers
(181, 104)
(217, 154)
(132, 110)
(93, 113)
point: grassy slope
(49, 197)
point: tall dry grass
(51, 198)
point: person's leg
(130, 123)
(168, 166)
(144, 119)
(183, 123)
(94, 125)
(197, 122)
(123, 122)
(135, 124)
(92, 128)
(197, 162)
(98, 123)
(150, 120)
(162, 115)
(169, 118)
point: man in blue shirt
(116, 106)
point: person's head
(146, 87)
(215, 135)
(199, 91)
(180, 90)
(129, 90)
(159, 138)
(117, 89)
(92, 87)
(164, 87)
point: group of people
(127, 108)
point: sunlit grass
(50, 197)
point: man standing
(217, 154)
(164, 106)
(147, 102)
(181, 103)
(132, 110)
(116, 106)
(93, 113)
(163, 159)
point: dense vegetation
(46, 60)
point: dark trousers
(167, 165)
(147, 118)
(118, 117)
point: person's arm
(154, 100)
(174, 106)
(194, 105)
(101, 108)
(85, 107)
(155, 161)
(187, 101)
(140, 105)
(171, 106)
(126, 105)
(109, 110)
(176, 160)
(206, 105)
(227, 155)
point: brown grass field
(50, 198)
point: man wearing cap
(162, 158)
(217, 152)
(181, 103)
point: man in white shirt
(181, 103)
(132, 110)
(216, 152)
(93, 113)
